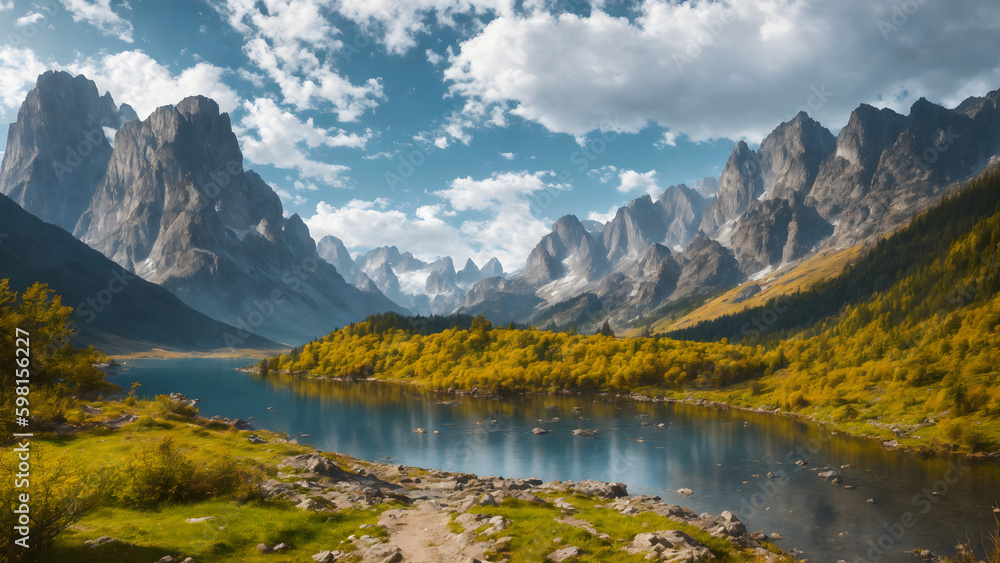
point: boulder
(565, 553)
(671, 545)
(312, 464)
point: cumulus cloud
(632, 181)
(272, 135)
(508, 155)
(707, 69)
(500, 224)
(295, 44)
(18, 70)
(139, 80)
(100, 15)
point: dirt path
(422, 534)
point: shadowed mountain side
(114, 310)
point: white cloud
(137, 79)
(399, 22)
(433, 58)
(604, 174)
(632, 181)
(709, 69)
(508, 155)
(4, 6)
(441, 142)
(100, 15)
(502, 226)
(295, 44)
(272, 135)
(669, 139)
(33, 17)
(18, 70)
(606, 216)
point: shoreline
(921, 450)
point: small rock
(871, 501)
(848, 487)
(487, 500)
(255, 439)
(263, 548)
(167, 559)
(281, 547)
(565, 553)
(324, 557)
(539, 430)
(420, 431)
(100, 541)
(196, 520)
(685, 492)
(394, 558)
(775, 536)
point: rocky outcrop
(776, 231)
(707, 266)
(59, 147)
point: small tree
(606, 330)
(61, 493)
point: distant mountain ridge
(803, 191)
(424, 288)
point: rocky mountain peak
(58, 148)
(492, 268)
(739, 185)
(297, 236)
(332, 249)
(470, 273)
(408, 263)
(790, 156)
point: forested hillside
(904, 338)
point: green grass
(232, 535)
(534, 529)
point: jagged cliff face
(173, 204)
(739, 185)
(57, 150)
(791, 155)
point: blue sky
(465, 127)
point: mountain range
(167, 199)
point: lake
(723, 456)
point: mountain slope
(115, 311)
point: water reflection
(724, 456)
